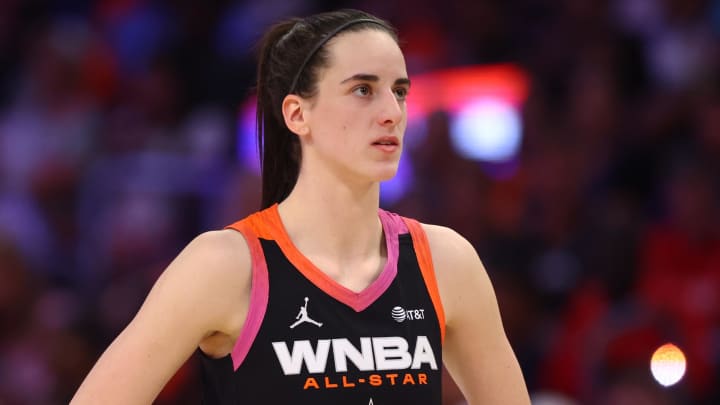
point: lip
(387, 141)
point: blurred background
(575, 143)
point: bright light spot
(668, 364)
(487, 129)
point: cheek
(403, 124)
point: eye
(401, 93)
(362, 90)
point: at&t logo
(400, 314)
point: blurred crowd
(119, 140)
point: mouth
(387, 141)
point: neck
(336, 221)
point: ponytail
(278, 147)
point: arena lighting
(451, 89)
(484, 104)
(668, 364)
(487, 129)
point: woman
(321, 297)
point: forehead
(366, 51)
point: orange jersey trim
(268, 225)
(424, 256)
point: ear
(294, 112)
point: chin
(376, 173)
(386, 174)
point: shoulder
(460, 274)
(449, 248)
(223, 248)
(220, 257)
(213, 272)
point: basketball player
(384, 300)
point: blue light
(487, 129)
(246, 147)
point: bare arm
(476, 351)
(203, 291)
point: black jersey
(308, 340)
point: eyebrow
(364, 77)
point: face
(357, 119)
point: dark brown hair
(294, 51)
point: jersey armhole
(424, 256)
(259, 291)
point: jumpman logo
(371, 402)
(302, 316)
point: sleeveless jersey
(308, 340)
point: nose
(391, 110)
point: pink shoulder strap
(259, 290)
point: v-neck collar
(355, 300)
